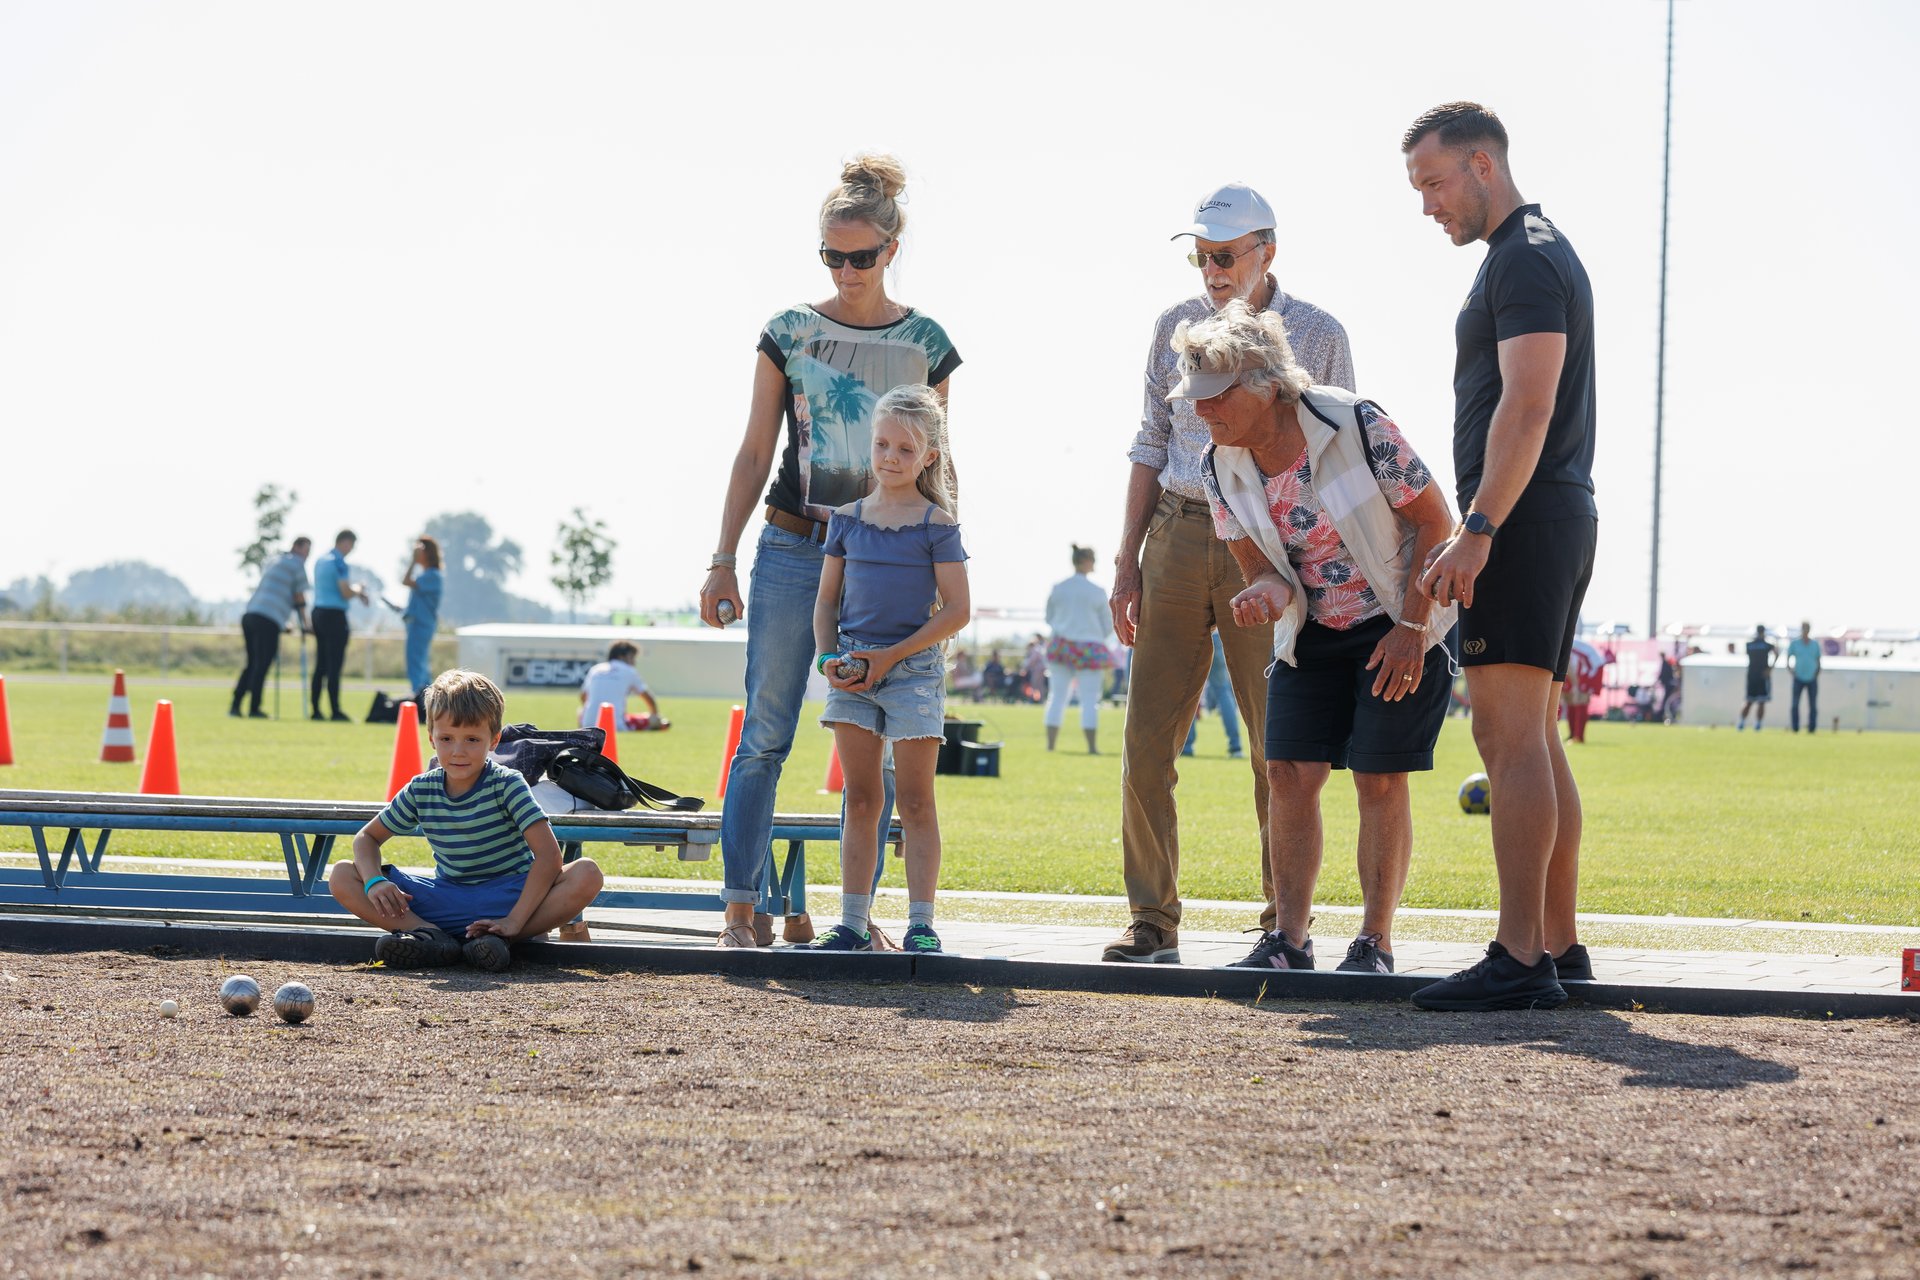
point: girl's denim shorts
(909, 702)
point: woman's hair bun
(877, 171)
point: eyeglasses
(1222, 258)
(860, 259)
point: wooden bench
(73, 875)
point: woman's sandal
(736, 935)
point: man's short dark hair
(1460, 125)
(299, 542)
(345, 535)
(623, 651)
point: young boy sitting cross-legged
(497, 869)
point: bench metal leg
(785, 894)
(74, 844)
(305, 863)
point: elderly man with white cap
(1174, 581)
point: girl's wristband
(820, 663)
(379, 879)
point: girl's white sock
(920, 913)
(855, 908)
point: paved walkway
(1864, 958)
(1631, 967)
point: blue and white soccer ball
(1476, 794)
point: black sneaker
(1144, 943)
(1274, 951)
(340, 717)
(1498, 981)
(489, 952)
(417, 949)
(1574, 964)
(1365, 956)
(842, 938)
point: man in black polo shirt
(1520, 562)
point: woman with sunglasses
(819, 370)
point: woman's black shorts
(1323, 708)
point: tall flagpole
(1660, 362)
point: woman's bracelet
(1421, 627)
(820, 663)
(378, 879)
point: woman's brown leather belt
(806, 528)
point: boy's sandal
(881, 942)
(737, 935)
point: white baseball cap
(1198, 384)
(1228, 214)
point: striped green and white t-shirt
(476, 837)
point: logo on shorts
(1474, 647)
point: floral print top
(1337, 595)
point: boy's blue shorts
(453, 906)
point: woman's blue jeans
(780, 656)
(419, 655)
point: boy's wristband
(820, 663)
(379, 879)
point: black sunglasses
(1222, 258)
(862, 259)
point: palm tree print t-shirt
(835, 373)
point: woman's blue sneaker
(841, 938)
(921, 939)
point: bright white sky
(514, 258)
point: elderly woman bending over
(1330, 514)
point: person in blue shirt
(1803, 654)
(893, 590)
(333, 589)
(423, 613)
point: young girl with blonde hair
(893, 589)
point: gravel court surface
(569, 1122)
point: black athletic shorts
(1526, 602)
(1323, 709)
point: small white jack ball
(168, 1008)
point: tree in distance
(475, 568)
(582, 560)
(270, 510)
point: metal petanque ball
(294, 1002)
(726, 613)
(853, 668)
(240, 995)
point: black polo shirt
(1530, 282)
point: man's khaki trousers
(1188, 581)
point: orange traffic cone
(161, 774)
(733, 744)
(836, 782)
(6, 734)
(609, 746)
(116, 744)
(406, 751)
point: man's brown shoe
(1145, 943)
(762, 929)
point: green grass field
(1683, 821)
